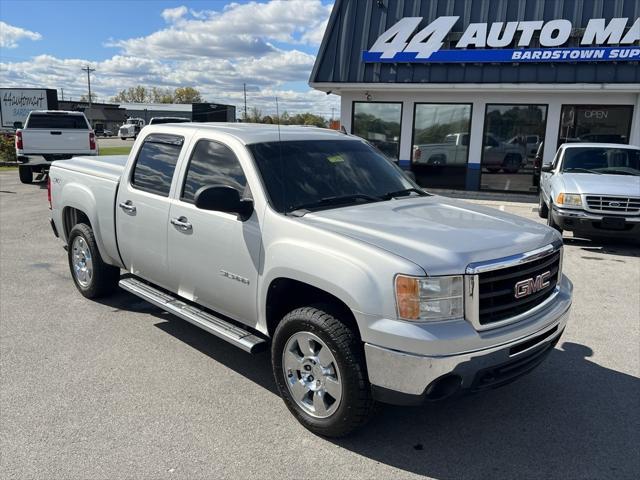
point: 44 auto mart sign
(601, 41)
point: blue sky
(213, 45)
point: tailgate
(42, 141)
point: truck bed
(89, 184)
(104, 166)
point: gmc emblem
(524, 288)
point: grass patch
(4, 167)
(115, 150)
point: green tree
(137, 94)
(186, 95)
(162, 95)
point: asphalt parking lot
(118, 389)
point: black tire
(104, 278)
(356, 405)
(550, 221)
(543, 210)
(511, 163)
(123, 138)
(25, 173)
(493, 169)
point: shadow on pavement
(569, 418)
(623, 248)
(256, 367)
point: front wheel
(319, 368)
(550, 220)
(543, 210)
(92, 276)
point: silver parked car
(312, 243)
(593, 189)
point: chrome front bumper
(412, 375)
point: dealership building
(465, 93)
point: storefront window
(379, 123)
(441, 144)
(595, 123)
(512, 135)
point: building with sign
(466, 92)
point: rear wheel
(319, 367)
(25, 173)
(93, 277)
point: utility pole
(244, 87)
(89, 70)
(62, 93)
(333, 109)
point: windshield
(602, 160)
(318, 174)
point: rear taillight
(92, 141)
(49, 192)
(19, 145)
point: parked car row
(49, 135)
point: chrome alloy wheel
(82, 261)
(312, 375)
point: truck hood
(440, 235)
(594, 184)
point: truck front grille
(611, 204)
(497, 288)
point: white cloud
(238, 30)
(9, 35)
(257, 44)
(172, 15)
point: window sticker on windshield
(335, 158)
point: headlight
(569, 200)
(430, 298)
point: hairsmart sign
(601, 41)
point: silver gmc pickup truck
(311, 242)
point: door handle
(182, 224)
(55, 133)
(128, 207)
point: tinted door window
(379, 123)
(441, 144)
(61, 121)
(156, 163)
(212, 163)
(513, 134)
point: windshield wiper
(582, 170)
(404, 193)
(300, 210)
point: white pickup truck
(52, 135)
(453, 152)
(314, 244)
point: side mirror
(546, 167)
(223, 198)
(17, 125)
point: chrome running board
(223, 329)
